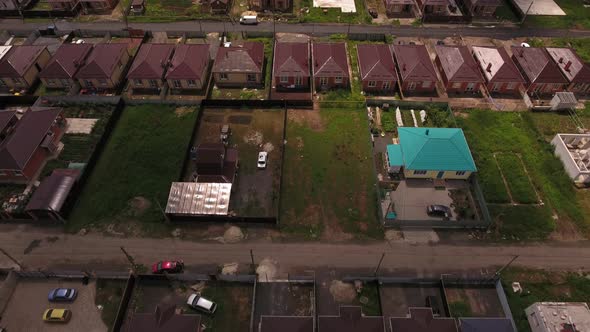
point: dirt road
(49, 248)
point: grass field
(577, 17)
(334, 15)
(169, 11)
(328, 182)
(143, 156)
(542, 286)
(545, 169)
(109, 294)
(517, 179)
(489, 174)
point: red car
(168, 266)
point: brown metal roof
(329, 59)
(19, 59)
(536, 65)
(5, 117)
(496, 65)
(376, 62)
(164, 320)
(29, 132)
(102, 61)
(286, 324)
(422, 320)
(570, 64)
(414, 64)
(291, 59)
(151, 61)
(457, 63)
(486, 2)
(189, 62)
(247, 57)
(351, 319)
(66, 61)
(400, 2)
(53, 191)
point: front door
(440, 174)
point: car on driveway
(62, 295)
(196, 301)
(57, 315)
(262, 158)
(168, 267)
(439, 211)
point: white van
(249, 19)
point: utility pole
(505, 266)
(22, 267)
(252, 265)
(131, 260)
(379, 265)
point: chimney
(489, 68)
(521, 53)
(560, 59)
(567, 66)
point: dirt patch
(253, 137)
(561, 291)
(268, 147)
(267, 270)
(461, 115)
(233, 235)
(312, 119)
(342, 292)
(213, 118)
(138, 205)
(393, 235)
(183, 110)
(240, 119)
(229, 269)
(565, 230)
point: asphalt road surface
(431, 31)
(47, 248)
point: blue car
(62, 295)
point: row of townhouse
(411, 8)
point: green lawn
(488, 132)
(489, 174)
(335, 15)
(170, 11)
(328, 180)
(109, 293)
(518, 181)
(143, 156)
(542, 286)
(577, 17)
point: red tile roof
(570, 64)
(536, 65)
(414, 64)
(247, 58)
(496, 65)
(189, 62)
(19, 59)
(66, 61)
(457, 63)
(329, 59)
(102, 61)
(291, 59)
(29, 132)
(376, 62)
(151, 61)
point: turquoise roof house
(431, 153)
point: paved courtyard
(539, 7)
(412, 196)
(347, 6)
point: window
(456, 85)
(298, 80)
(153, 83)
(496, 86)
(372, 84)
(470, 87)
(323, 81)
(102, 82)
(338, 80)
(510, 86)
(426, 84)
(284, 79)
(386, 85)
(18, 173)
(412, 86)
(50, 82)
(419, 172)
(251, 78)
(459, 173)
(88, 83)
(191, 82)
(176, 83)
(138, 82)
(223, 76)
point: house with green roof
(431, 153)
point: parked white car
(262, 158)
(196, 301)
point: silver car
(196, 301)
